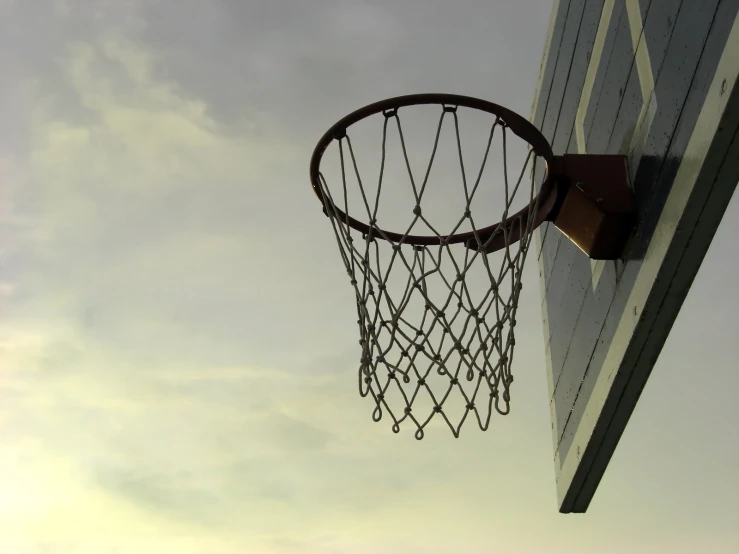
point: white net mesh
(437, 319)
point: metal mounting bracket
(595, 208)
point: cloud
(142, 140)
(145, 304)
(151, 215)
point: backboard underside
(655, 80)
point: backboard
(655, 80)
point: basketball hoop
(456, 350)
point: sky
(178, 347)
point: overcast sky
(178, 347)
